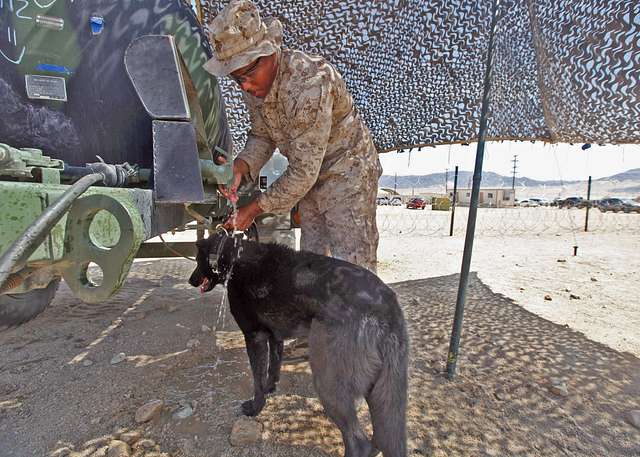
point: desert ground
(554, 376)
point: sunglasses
(247, 73)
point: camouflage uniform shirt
(309, 116)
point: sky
(535, 160)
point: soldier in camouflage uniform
(300, 104)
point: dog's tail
(388, 397)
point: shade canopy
(563, 71)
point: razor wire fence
(400, 221)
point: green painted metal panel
(21, 203)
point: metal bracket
(21, 163)
(154, 68)
(176, 166)
(81, 250)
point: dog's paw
(252, 407)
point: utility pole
(446, 178)
(395, 183)
(515, 168)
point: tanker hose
(114, 175)
(34, 235)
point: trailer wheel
(15, 309)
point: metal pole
(586, 219)
(454, 344)
(453, 204)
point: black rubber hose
(32, 237)
(72, 173)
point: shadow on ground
(500, 404)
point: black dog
(358, 345)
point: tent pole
(453, 203)
(454, 344)
(586, 216)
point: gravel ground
(562, 381)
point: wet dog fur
(358, 344)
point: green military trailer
(109, 128)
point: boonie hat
(239, 37)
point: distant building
(488, 198)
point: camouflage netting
(564, 71)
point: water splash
(221, 310)
(220, 321)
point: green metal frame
(85, 244)
(104, 226)
(21, 163)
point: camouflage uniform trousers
(346, 231)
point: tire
(16, 309)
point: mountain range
(492, 180)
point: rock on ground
(145, 444)
(118, 358)
(183, 413)
(633, 417)
(559, 387)
(245, 431)
(100, 452)
(148, 411)
(118, 449)
(130, 437)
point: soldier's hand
(242, 219)
(240, 168)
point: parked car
(610, 204)
(395, 201)
(619, 204)
(631, 206)
(540, 201)
(572, 202)
(528, 203)
(556, 201)
(416, 203)
(382, 200)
